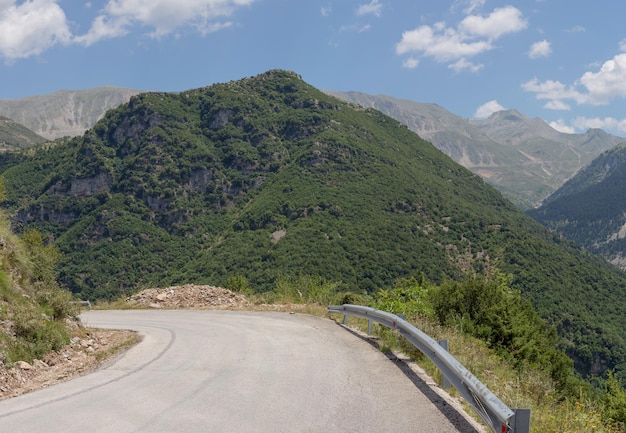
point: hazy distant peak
(65, 112)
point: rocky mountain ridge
(524, 158)
(65, 112)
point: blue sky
(561, 60)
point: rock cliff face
(66, 112)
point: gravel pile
(189, 296)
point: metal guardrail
(498, 417)
(83, 303)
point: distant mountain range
(591, 207)
(16, 136)
(66, 112)
(524, 158)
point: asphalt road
(224, 371)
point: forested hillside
(590, 208)
(266, 178)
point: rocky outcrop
(90, 186)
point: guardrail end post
(520, 422)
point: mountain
(590, 208)
(524, 158)
(269, 178)
(15, 136)
(66, 112)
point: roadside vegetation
(35, 313)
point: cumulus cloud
(540, 49)
(162, 16)
(593, 88)
(474, 35)
(487, 109)
(500, 22)
(31, 27)
(464, 65)
(371, 8)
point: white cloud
(31, 27)
(609, 82)
(552, 91)
(560, 126)
(540, 49)
(373, 8)
(473, 35)
(34, 26)
(163, 16)
(500, 22)
(622, 45)
(487, 109)
(464, 65)
(326, 11)
(557, 105)
(593, 88)
(443, 45)
(468, 5)
(411, 63)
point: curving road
(224, 371)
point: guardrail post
(369, 327)
(520, 422)
(445, 382)
(345, 319)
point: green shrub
(614, 407)
(409, 298)
(489, 309)
(239, 284)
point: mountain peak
(511, 115)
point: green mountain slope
(524, 158)
(15, 136)
(268, 177)
(590, 209)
